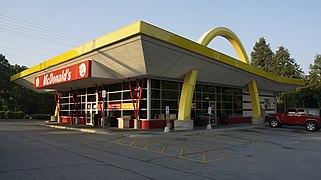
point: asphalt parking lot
(30, 151)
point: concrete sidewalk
(144, 132)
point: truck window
(301, 112)
(291, 112)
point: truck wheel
(311, 126)
(274, 123)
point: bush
(13, 115)
(9, 115)
(2, 114)
(41, 116)
(20, 115)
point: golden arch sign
(208, 36)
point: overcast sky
(36, 30)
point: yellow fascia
(255, 100)
(141, 27)
(171, 38)
(185, 103)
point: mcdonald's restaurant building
(150, 74)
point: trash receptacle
(123, 122)
(223, 119)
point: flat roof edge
(161, 34)
(110, 38)
(144, 28)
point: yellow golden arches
(207, 37)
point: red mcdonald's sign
(74, 72)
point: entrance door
(91, 111)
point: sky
(34, 31)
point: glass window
(155, 94)
(129, 113)
(125, 85)
(210, 89)
(219, 90)
(208, 97)
(237, 98)
(227, 90)
(198, 96)
(218, 97)
(155, 104)
(91, 98)
(238, 105)
(170, 85)
(237, 92)
(115, 87)
(65, 93)
(171, 104)
(114, 96)
(166, 94)
(81, 91)
(228, 112)
(198, 105)
(238, 113)
(226, 105)
(155, 114)
(91, 90)
(227, 98)
(144, 95)
(205, 105)
(126, 95)
(143, 104)
(142, 114)
(219, 105)
(198, 88)
(155, 84)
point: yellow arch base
(56, 111)
(185, 103)
(207, 37)
(255, 100)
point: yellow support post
(255, 100)
(185, 103)
(56, 111)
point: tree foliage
(314, 79)
(283, 65)
(280, 63)
(18, 98)
(262, 55)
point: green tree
(314, 79)
(18, 98)
(262, 55)
(280, 63)
(4, 81)
(284, 65)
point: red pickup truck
(310, 118)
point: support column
(255, 101)
(184, 121)
(149, 116)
